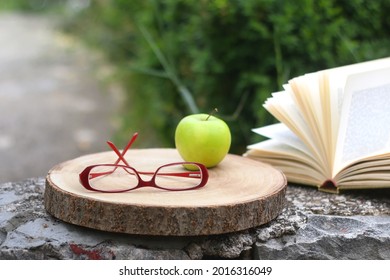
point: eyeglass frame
(85, 175)
(202, 173)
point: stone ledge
(313, 225)
(332, 237)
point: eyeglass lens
(174, 177)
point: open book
(334, 129)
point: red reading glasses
(116, 177)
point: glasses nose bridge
(145, 182)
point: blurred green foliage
(229, 54)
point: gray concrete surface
(53, 103)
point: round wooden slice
(241, 193)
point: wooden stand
(241, 193)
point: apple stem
(212, 113)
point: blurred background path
(53, 106)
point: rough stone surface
(332, 237)
(313, 225)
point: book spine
(329, 186)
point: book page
(282, 106)
(331, 92)
(283, 134)
(309, 98)
(364, 129)
(287, 159)
(335, 80)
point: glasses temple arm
(189, 174)
(120, 156)
(112, 146)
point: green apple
(203, 138)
